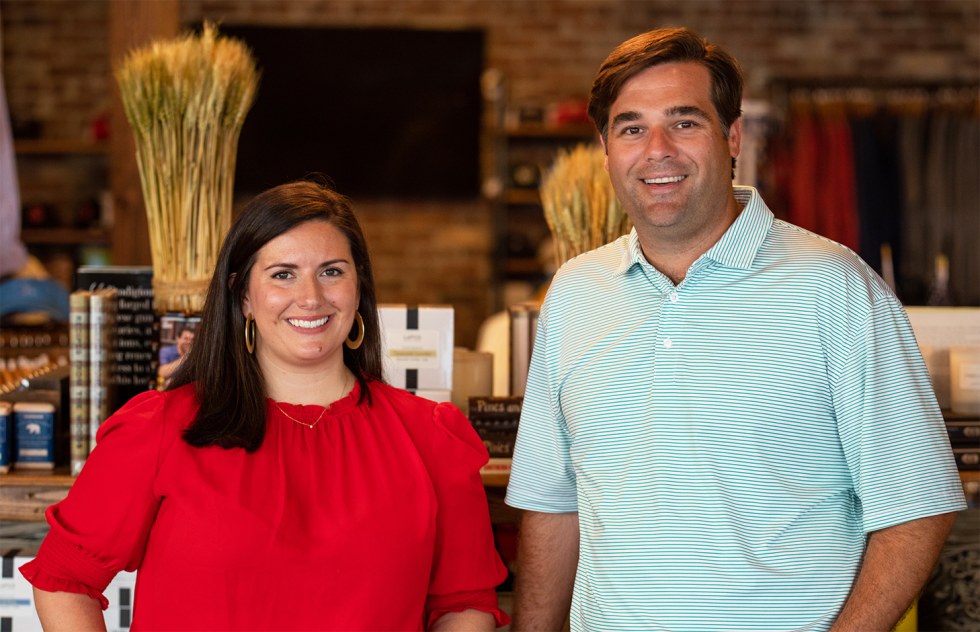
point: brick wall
(57, 72)
(56, 63)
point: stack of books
(964, 437)
(92, 346)
(496, 419)
(134, 363)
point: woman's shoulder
(160, 413)
(428, 421)
(400, 399)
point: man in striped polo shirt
(727, 423)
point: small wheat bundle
(579, 203)
(186, 100)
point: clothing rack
(911, 152)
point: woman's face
(303, 293)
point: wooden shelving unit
(58, 477)
(65, 236)
(518, 216)
(26, 494)
(522, 196)
(54, 146)
(583, 132)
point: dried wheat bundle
(579, 204)
(186, 100)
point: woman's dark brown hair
(226, 377)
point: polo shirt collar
(739, 245)
(632, 255)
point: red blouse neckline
(310, 412)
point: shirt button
(674, 297)
(668, 343)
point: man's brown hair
(662, 46)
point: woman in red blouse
(279, 484)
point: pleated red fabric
(374, 519)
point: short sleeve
(465, 567)
(890, 426)
(542, 476)
(102, 526)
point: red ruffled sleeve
(102, 526)
(466, 566)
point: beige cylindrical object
(964, 378)
(926, 351)
(472, 376)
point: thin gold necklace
(303, 423)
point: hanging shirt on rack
(836, 199)
(13, 255)
(879, 190)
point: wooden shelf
(26, 494)
(58, 477)
(496, 473)
(65, 236)
(522, 196)
(495, 479)
(53, 146)
(527, 265)
(582, 131)
(970, 476)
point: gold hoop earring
(250, 333)
(354, 344)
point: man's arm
(547, 556)
(896, 566)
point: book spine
(964, 433)
(111, 351)
(495, 408)
(78, 378)
(967, 458)
(98, 363)
(498, 444)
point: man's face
(184, 342)
(667, 155)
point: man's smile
(665, 180)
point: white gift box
(417, 346)
(435, 396)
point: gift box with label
(417, 346)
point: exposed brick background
(57, 71)
(56, 63)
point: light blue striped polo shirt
(727, 442)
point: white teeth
(664, 180)
(307, 324)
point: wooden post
(131, 24)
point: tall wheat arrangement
(186, 100)
(579, 203)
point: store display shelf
(527, 265)
(583, 131)
(495, 479)
(26, 494)
(65, 236)
(970, 476)
(52, 146)
(523, 196)
(58, 477)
